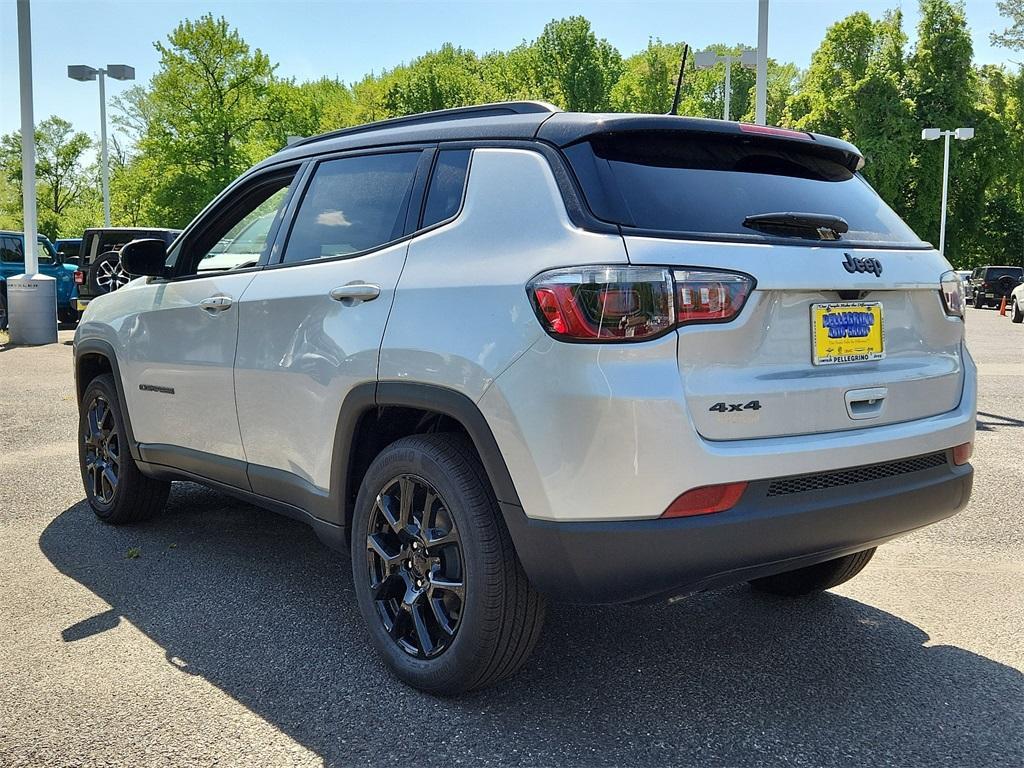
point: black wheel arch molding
(328, 512)
(104, 349)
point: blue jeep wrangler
(12, 262)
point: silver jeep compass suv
(506, 354)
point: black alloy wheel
(102, 450)
(415, 566)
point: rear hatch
(846, 327)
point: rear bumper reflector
(706, 500)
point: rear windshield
(677, 183)
(994, 273)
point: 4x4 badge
(852, 265)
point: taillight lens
(703, 296)
(952, 289)
(79, 277)
(627, 303)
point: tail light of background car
(79, 277)
(631, 303)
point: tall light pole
(761, 85)
(708, 59)
(118, 72)
(931, 134)
(31, 297)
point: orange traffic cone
(1002, 307)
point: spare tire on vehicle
(106, 273)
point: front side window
(12, 249)
(352, 205)
(238, 232)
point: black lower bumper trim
(636, 561)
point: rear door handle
(215, 304)
(355, 293)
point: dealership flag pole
(31, 297)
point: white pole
(728, 86)
(761, 87)
(945, 190)
(28, 136)
(31, 297)
(105, 162)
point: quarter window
(352, 205)
(444, 197)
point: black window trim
(413, 202)
(222, 205)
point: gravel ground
(233, 637)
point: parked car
(505, 354)
(69, 248)
(1017, 304)
(990, 285)
(99, 269)
(12, 262)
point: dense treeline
(216, 106)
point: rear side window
(678, 183)
(352, 205)
(444, 198)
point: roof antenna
(679, 82)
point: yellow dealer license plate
(847, 332)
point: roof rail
(440, 115)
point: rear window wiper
(818, 226)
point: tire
(68, 316)
(3, 312)
(1016, 313)
(814, 578)
(494, 624)
(103, 445)
(105, 274)
(979, 303)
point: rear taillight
(627, 303)
(79, 277)
(952, 290)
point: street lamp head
(705, 59)
(82, 72)
(121, 71)
(748, 58)
(930, 134)
(964, 133)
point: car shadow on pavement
(252, 603)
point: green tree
(62, 180)
(647, 84)
(449, 77)
(1013, 36)
(944, 87)
(208, 114)
(574, 69)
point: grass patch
(4, 338)
(134, 553)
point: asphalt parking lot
(221, 634)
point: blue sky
(348, 39)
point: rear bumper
(645, 560)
